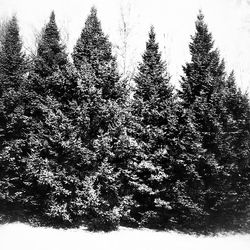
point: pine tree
(167, 172)
(57, 155)
(204, 75)
(213, 100)
(234, 154)
(203, 83)
(12, 59)
(14, 124)
(52, 71)
(102, 100)
(51, 53)
(94, 48)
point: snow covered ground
(23, 237)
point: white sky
(228, 20)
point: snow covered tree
(234, 155)
(12, 59)
(204, 75)
(102, 99)
(212, 99)
(50, 65)
(57, 155)
(94, 48)
(14, 124)
(202, 84)
(167, 188)
(50, 52)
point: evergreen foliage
(102, 96)
(77, 147)
(168, 184)
(204, 75)
(234, 154)
(12, 59)
(50, 52)
(54, 164)
(213, 100)
(14, 124)
(94, 49)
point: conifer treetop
(93, 45)
(50, 52)
(51, 28)
(152, 50)
(202, 41)
(92, 23)
(12, 38)
(152, 78)
(94, 51)
(205, 74)
(12, 59)
(50, 33)
(231, 82)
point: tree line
(79, 147)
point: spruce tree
(54, 164)
(12, 59)
(14, 124)
(50, 65)
(51, 53)
(234, 154)
(202, 84)
(212, 99)
(204, 75)
(167, 189)
(94, 48)
(102, 100)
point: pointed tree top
(93, 45)
(231, 82)
(92, 20)
(52, 16)
(52, 20)
(152, 47)
(12, 35)
(13, 19)
(205, 74)
(93, 11)
(12, 23)
(202, 41)
(200, 16)
(51, 30)
(200, 21)
(12, 59)
(50, 52)
(152, 29)
(152, 78)
(232, 75)
(152, 33)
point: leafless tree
(125, 52)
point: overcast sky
(228, 20)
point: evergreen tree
(94, 48)
(14, 124)
(102, 100)
(234, 155)
(202, 85)
(212, 99)
(12, 59)
(50, 52)
(51, 71)
(204, 75)
(57, 154)
(167, 180)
